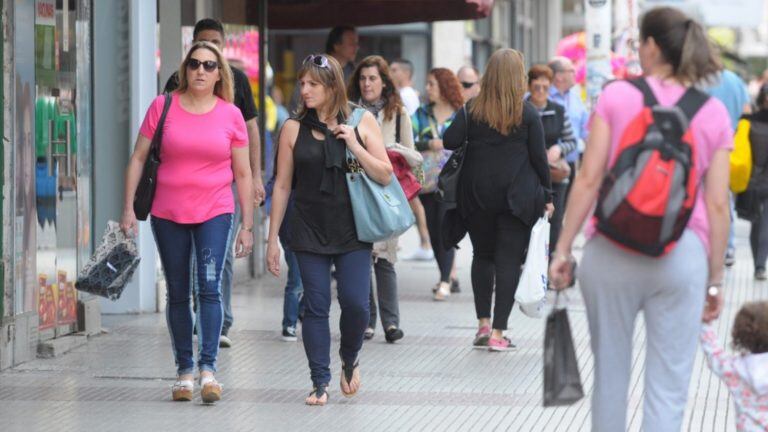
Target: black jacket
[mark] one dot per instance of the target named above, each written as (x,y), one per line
(502,172)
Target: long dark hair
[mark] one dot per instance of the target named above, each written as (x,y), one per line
(683,43)
(393,104)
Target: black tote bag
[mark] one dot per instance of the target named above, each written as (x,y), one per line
(145,191)
(448,180)
(562,381)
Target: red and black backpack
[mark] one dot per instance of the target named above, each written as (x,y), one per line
(647,197)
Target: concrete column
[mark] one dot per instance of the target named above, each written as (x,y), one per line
(448,43)
(139,295)
(171,47)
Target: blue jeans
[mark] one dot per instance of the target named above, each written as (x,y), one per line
(292,304)
(175,242)
(353,278)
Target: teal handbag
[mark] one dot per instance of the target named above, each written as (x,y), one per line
(380,212)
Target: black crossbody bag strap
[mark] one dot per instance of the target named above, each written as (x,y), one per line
(157,138)
(397,128)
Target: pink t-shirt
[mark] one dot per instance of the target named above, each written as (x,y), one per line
(195,175)
(621,102)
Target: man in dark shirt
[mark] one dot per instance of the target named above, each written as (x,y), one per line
(210,30)
(342,44)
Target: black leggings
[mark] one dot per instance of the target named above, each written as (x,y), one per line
(435,212)
(499,242)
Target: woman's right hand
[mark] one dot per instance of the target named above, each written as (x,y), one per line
(128,223)
(273,258)
(549,209)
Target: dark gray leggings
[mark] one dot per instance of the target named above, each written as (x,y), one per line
(758,237)
(386,290)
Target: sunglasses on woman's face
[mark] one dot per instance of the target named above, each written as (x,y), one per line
(208,65)
(317,60)
(467,85)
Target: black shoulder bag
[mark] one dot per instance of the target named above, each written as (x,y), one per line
(145,191)
(448,180)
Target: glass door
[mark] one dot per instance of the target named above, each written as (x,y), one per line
(56,163)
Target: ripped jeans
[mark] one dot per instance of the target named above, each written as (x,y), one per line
(174,242)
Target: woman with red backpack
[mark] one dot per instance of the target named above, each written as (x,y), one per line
(655,172)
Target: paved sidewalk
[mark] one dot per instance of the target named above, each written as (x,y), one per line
(431,380)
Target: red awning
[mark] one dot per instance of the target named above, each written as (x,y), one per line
(304,14)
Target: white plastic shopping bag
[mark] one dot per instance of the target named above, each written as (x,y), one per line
(532,288)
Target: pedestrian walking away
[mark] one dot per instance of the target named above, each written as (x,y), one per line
(755,127)
(205,144)
(210,30)
(673,275)
(311,157)
(558,138)
(429,124)
(746,373)
(731,90)
(372,87)
(504,187)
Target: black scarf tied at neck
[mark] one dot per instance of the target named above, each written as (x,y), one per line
(334,150)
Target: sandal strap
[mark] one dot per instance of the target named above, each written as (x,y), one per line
(185,384)
(319,391)
(349,371)
(206,380)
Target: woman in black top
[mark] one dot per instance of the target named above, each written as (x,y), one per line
(312,159)
(504,187)
(558,138)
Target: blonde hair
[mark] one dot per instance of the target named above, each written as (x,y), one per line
(500,102)
(224,88)
(332,79)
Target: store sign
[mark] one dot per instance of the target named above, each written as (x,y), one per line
(45,12)
(597,3)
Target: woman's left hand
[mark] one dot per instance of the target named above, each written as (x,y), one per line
(713,305)
(244,245)
(346,133)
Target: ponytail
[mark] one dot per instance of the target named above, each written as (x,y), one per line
(697,60)
(683,43)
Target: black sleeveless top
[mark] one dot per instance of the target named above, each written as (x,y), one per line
(321,223)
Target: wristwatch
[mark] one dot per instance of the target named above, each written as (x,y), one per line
(249,229)
(714,289)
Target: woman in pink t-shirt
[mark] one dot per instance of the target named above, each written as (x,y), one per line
(674,289)
(204,145)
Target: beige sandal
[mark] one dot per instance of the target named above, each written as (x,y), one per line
(210,389)
(182,390)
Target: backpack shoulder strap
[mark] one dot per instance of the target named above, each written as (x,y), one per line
(649,99)
(691,102)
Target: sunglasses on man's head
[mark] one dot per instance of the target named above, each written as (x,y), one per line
(317,60)
(208,65)
(467,85)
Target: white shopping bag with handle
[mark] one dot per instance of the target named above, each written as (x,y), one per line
(532,288)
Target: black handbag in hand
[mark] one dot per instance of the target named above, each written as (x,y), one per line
(145,191)
(562,381)
(448,180)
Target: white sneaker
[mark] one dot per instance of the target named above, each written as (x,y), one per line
(421,254)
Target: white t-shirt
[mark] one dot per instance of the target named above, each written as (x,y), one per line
(410,99)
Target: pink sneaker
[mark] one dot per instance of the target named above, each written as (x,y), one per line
(503,344)
(482,336)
